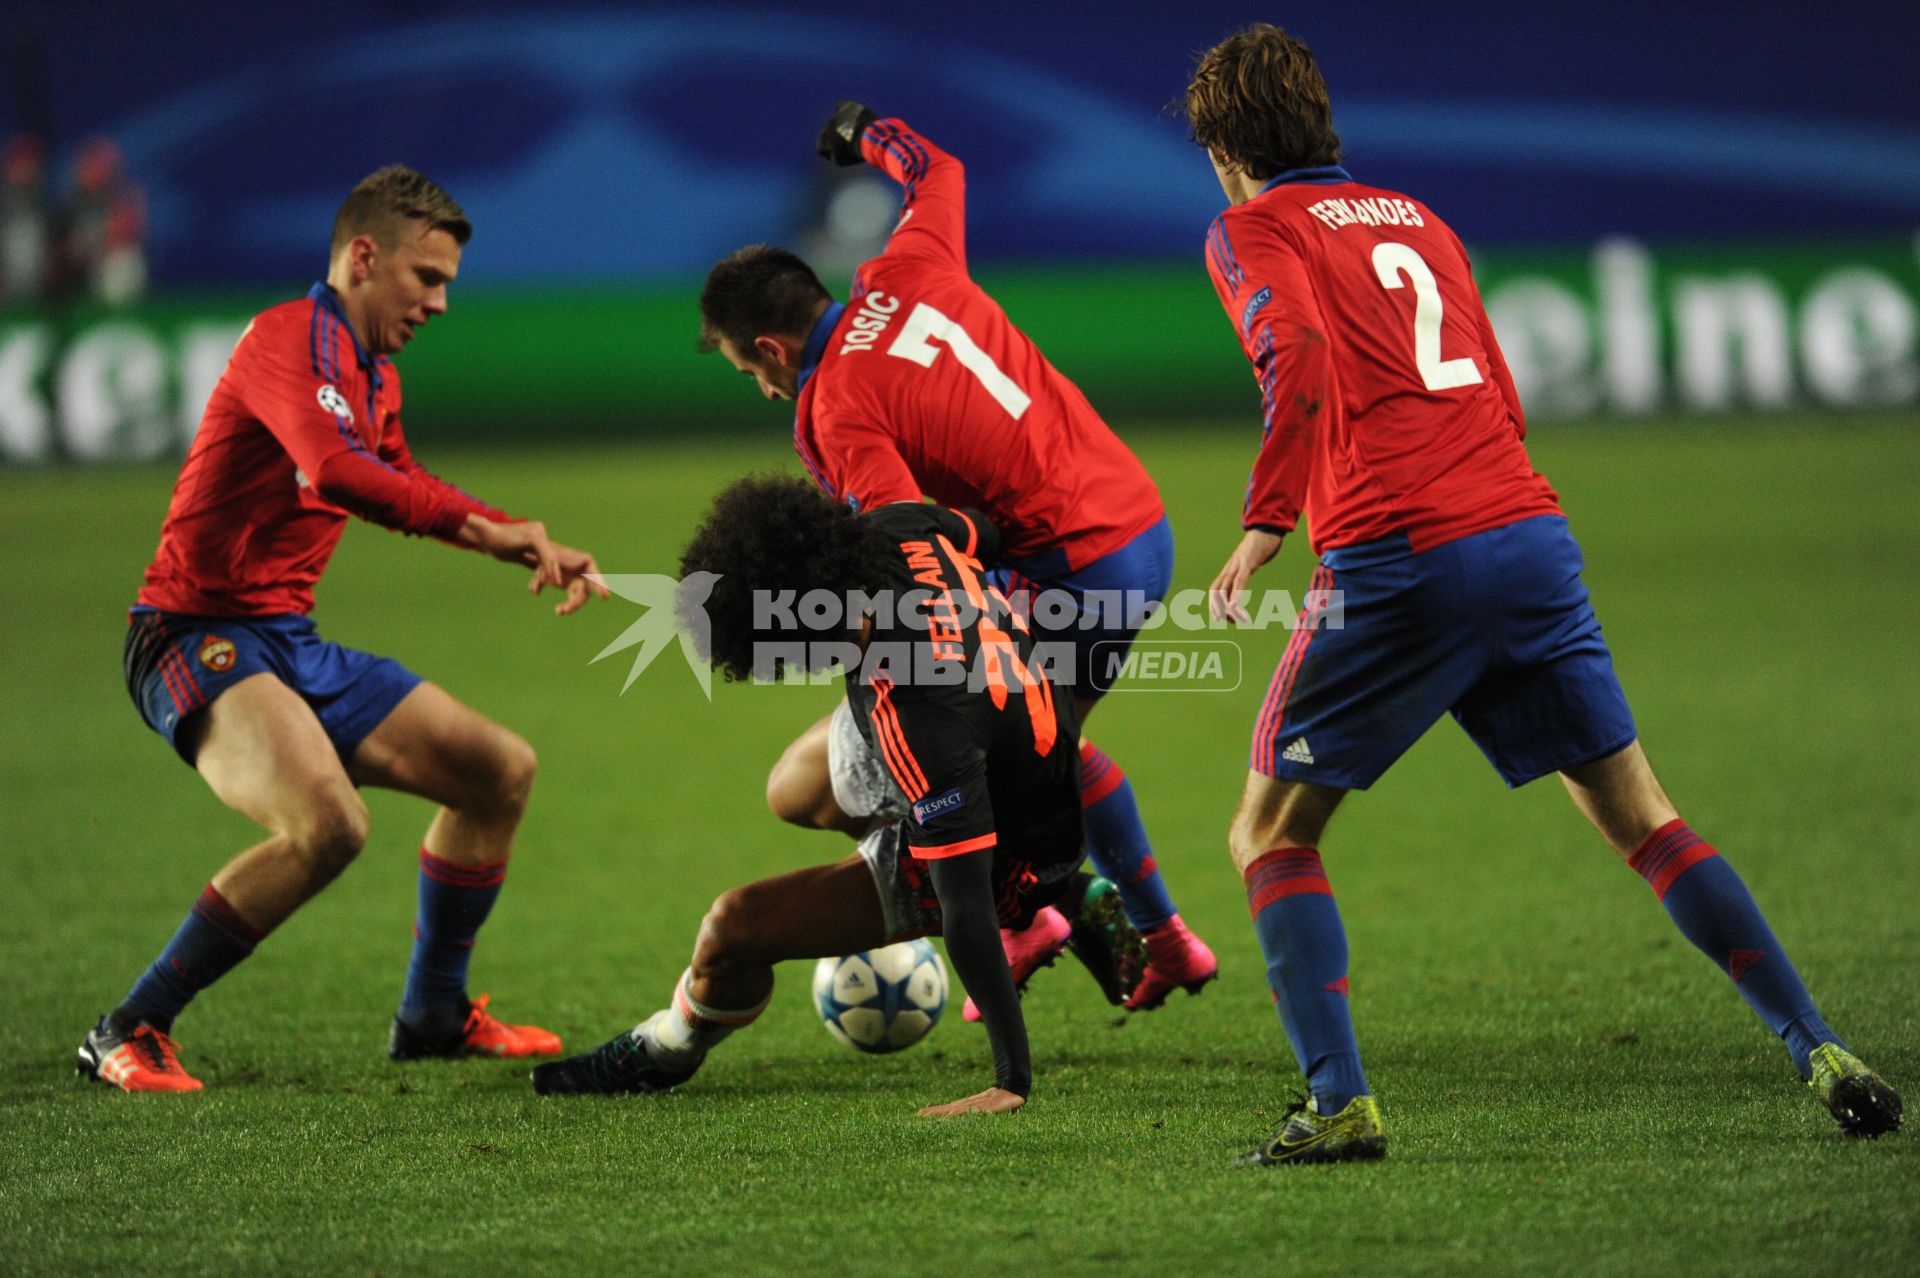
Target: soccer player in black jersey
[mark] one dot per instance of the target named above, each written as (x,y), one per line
(950,690)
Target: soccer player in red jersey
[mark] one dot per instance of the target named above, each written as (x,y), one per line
(302,431)
(1393,427)
(919,385)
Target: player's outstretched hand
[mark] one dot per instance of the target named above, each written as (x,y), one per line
(1227,597)
(840,140)
(578,572)
(994,1100)
(525,541)
(516,541)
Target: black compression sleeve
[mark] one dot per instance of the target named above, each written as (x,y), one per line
(989,542)
(964,885)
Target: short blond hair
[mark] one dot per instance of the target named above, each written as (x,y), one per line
(392,195)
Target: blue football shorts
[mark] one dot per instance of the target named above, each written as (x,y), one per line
(1495,628)
(176,665)
(1095,611)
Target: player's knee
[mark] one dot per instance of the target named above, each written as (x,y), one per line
(499,779)
(1253,834)
(1243,844)
(794,800)
(1248,836)
(330,831)
(727,933)
(781,799)
(514,770)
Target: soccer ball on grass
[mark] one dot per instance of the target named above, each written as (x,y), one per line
(881,1000)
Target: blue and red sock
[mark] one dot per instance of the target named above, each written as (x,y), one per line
(454,902)
(1305,945)
(212,940)
(1117,841)
(1714,910)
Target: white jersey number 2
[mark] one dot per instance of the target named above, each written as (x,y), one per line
(926,326)
(1390,262)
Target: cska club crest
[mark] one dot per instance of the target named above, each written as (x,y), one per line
(217,654)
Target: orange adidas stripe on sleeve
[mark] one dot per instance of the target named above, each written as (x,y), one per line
(953,849)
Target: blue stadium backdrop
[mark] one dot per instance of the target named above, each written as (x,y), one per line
(1701,207)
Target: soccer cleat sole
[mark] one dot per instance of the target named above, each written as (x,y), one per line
(407,1044)
(1192,988)
(1020,986)
(555,1078)
(970,1011)
(451,1040)
(621,1066)
(1865,1106)
(1363,1150)
(1116,968)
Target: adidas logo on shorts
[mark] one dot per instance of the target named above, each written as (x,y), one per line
(1298,752)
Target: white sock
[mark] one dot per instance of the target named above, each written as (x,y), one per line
(681,1034)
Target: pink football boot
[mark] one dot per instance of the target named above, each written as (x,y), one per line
(1031,950)
(1176,959)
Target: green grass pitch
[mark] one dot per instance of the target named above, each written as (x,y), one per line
(1569,1087)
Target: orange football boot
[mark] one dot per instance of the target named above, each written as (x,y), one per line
(135,1058)
(480,1034)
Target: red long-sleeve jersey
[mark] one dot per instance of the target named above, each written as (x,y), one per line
(925,387)
(302,431)
(1388,407)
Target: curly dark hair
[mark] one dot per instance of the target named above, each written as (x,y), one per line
(1258,103)
(758,290)
(777,533)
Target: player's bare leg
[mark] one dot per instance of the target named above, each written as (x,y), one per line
(1274,840)
(1621,797)
(800,787)
(812,913)
(481,775)
(1711,906)
(1276,813)
(818,912)
(265,755)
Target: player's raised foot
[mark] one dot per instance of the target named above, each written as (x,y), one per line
(1859,1099)
(1105,942)
(1176,960)
(1029,951)
(1308,1136)
(619,1066)
(473,1032)
(134,1057)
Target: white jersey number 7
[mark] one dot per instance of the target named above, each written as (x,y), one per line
(1390,262)
(926,326)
